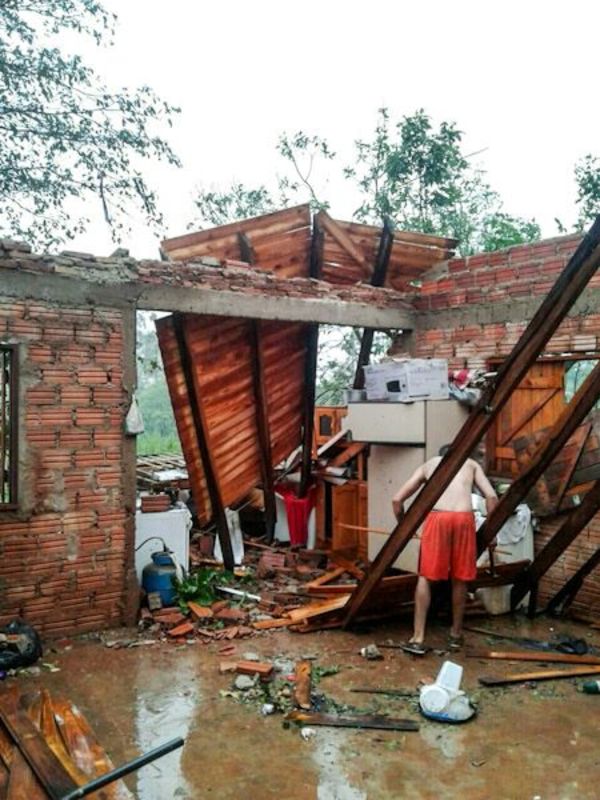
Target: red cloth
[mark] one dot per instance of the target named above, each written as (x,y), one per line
(297,510)
(449,546)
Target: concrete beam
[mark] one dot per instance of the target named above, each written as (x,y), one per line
(78,290)
(515,310)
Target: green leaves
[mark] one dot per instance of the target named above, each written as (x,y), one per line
(587,177)
(65,135)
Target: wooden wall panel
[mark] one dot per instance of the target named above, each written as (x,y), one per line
(220,350)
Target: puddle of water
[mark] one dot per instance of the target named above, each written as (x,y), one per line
(333,783)
(161,716)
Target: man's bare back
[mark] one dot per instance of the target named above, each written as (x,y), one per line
(457,496)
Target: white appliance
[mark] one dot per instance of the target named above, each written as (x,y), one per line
(173,526)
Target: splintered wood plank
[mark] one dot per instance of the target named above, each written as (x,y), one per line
(327,577)
(541,675)
(528,655)
(366,721)
(48,769)
(87,754)
(302,688)
(314,610)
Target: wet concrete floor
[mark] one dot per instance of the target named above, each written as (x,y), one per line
(526,742)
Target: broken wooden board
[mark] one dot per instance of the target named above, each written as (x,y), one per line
(530,655)
(67,740)
(540,675)
(28,738)
(364,721)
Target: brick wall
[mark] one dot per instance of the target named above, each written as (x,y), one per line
(63,555)
(468,317)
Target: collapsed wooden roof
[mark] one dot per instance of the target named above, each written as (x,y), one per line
(281,243)
(241,390)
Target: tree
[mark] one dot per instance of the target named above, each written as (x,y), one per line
(587,178)
(412,172)
(65,135)
(419,177)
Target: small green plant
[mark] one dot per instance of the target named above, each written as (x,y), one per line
(200,587)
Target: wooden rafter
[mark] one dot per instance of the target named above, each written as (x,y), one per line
(386,242)
(582,265)
(582,434)
(329,225)
(567,594)
(310,371)
(262,424)
(202,437)
(261,403)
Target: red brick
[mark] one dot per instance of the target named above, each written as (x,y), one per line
(90,416)
(92,375)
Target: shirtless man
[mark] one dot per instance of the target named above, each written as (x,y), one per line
(448,543)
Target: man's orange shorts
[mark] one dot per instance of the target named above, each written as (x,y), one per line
(449,546)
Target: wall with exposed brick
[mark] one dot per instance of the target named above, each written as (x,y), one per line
(475,309)
(64,555)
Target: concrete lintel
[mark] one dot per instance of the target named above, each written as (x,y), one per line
(67,290)
(514,310)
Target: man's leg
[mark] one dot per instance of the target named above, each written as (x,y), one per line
(422,601)
(459,598)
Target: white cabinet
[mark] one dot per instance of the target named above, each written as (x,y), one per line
(403,436)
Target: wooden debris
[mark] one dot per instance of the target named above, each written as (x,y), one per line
(370,721)
(267,624)
(391,692)
(227,666)
(302,689)
(541,675)
(530,655)
(47,768)
(254,668)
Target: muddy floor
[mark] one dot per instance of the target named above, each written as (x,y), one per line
(526,742)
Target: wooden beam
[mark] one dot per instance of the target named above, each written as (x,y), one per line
(565,596)
(46,766)
(344,240)
(246,249)
(310,366)
(584,434)
(261,403)
(529,655)
(262,423)
(386,243)
(202,437)
(541,675)
(560,299)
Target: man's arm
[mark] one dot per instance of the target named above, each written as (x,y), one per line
(417,479)
(486,489)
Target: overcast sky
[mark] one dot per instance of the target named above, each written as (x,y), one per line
(519,78)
